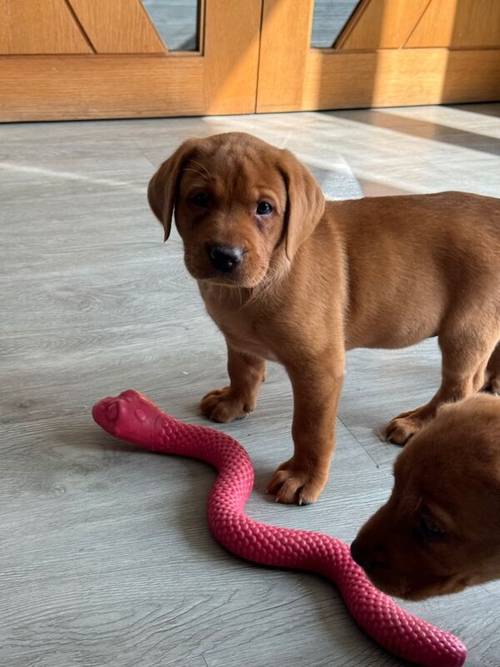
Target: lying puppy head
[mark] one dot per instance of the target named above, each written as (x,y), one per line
(440,529)
(239,202)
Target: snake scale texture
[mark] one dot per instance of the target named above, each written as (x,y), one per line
(134,418)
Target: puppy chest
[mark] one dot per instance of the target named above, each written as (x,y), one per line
(247,336)
(251,342)
(254,347)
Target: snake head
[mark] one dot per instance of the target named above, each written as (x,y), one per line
(129,416)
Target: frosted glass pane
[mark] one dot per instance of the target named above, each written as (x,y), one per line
(330,16)
(176,21)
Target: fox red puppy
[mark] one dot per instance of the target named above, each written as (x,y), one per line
(292,278)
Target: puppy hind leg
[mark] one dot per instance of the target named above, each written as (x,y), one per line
(464,361)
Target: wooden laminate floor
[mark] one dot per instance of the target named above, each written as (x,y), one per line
(105,557)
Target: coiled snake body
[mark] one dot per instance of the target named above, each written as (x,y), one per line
(134,418)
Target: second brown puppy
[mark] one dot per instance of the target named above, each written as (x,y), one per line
(291,278)
(439,532)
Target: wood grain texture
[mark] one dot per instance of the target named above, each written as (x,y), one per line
(223,80)
(106,560)
(28,27)
(284,48)
(118,26)
(81,87)
(460,24)
(231,49)
(390,78)
(337,78)
(381,24)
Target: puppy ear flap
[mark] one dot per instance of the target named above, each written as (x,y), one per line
(305,202)
(162,188)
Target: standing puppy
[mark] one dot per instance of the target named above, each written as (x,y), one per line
(291,278)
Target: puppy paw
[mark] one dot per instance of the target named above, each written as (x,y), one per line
(292,483)
(400,429)
(222,405)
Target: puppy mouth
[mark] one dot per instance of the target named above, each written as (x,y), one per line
(440,586)
(239,277)
(212,277)
(390,584)
(404,589)
(230,282)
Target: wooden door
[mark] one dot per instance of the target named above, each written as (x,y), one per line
(72,59)
(389,52)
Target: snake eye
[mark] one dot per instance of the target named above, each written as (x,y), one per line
(264,208)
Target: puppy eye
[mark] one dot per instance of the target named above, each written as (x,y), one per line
(429,529)
(264,208)
(200,199)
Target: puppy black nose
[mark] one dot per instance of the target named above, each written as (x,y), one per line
(358,555)
(224,257)
(371,558)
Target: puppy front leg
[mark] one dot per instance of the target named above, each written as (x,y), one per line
(246,374)
(316,390)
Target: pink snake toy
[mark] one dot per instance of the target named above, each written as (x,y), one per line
(134,418)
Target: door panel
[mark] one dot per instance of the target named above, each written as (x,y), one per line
(459,24)
(28,27)
(221,78)
(374,61)
(284,53)
(375,25)
(117,27)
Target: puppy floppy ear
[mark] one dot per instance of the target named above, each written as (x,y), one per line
(305,202)
(162,188)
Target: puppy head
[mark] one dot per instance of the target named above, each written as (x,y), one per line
(440,529)
(240,204)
